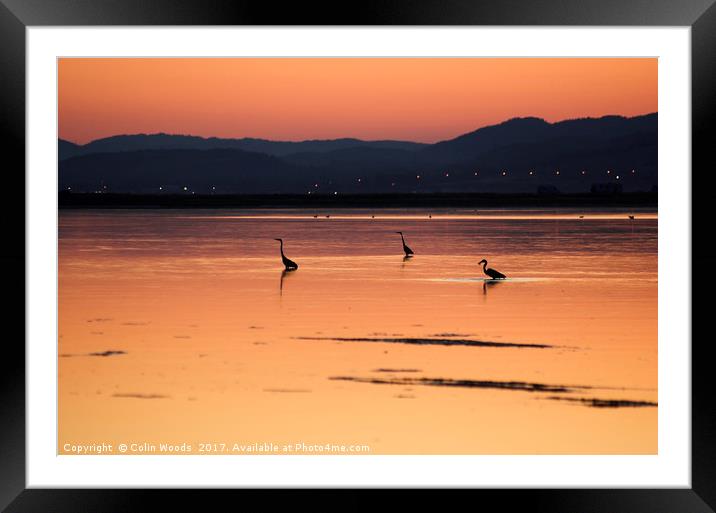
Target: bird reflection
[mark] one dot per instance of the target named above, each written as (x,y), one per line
(486,284)
(284,273)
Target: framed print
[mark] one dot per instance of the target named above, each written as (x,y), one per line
(445,246)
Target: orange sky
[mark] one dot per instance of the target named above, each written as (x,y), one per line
(416,99)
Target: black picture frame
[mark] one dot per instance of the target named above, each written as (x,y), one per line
(17,15)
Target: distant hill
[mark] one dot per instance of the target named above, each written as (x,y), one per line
(518,155)
(357,159)
(520,131)
(171,171)
(581,150)
(137,142)
(66,149)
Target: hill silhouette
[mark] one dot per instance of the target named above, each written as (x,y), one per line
(520,155)
(119,143)
(587,131)
(180,171)
(66,149)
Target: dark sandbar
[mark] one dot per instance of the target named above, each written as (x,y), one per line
(605,403)
(522,386)
(431,342)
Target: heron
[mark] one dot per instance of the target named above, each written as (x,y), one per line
(290,265)
(495,275)
(408,252)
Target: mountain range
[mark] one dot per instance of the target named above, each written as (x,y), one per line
(518,155)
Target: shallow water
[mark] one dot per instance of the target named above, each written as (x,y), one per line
(181,327)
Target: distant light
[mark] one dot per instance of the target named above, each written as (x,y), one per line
(531,173)
(475,173)
(69,188)
(315,185)
(417,177)
(556,172)
(392,184)
(609,171)
(617,177)
(213,188)
(192,192)
(359,179)
(504,173)
(633,171)
(309,192)
(185,188)
(447,174)
(334,193)
(584,172)
(160,188)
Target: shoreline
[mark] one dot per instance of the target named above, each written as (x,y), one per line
(67,200)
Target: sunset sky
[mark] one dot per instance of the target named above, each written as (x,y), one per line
(417,99)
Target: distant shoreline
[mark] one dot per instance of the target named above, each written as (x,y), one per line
(67,200)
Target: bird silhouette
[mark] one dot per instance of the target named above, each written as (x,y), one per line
(290,265)
(495,275)
(408,252)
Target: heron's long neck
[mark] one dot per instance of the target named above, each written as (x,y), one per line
(484,265)
(402,238)
(281,248)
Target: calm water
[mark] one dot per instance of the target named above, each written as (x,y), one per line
(215,344)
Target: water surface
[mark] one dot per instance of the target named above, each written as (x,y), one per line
(181,326)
